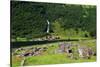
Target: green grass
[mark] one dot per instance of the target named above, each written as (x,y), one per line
(55,59)
(16,61)
(49,56)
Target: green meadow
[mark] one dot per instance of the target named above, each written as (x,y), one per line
(50,57)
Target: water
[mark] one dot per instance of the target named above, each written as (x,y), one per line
(48,26)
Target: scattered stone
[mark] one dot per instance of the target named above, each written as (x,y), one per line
(85,52)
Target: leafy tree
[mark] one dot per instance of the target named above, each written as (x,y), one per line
(28,19)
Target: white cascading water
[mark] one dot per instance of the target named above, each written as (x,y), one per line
(48,26)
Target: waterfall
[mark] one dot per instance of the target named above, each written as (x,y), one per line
(48,26)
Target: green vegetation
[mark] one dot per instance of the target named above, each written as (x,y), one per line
(49,57)
(67,21)
(55,59)
(16,61)
(29,20)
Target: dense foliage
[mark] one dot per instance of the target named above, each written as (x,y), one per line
(29,19)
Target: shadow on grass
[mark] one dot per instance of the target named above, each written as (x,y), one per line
(29,43)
